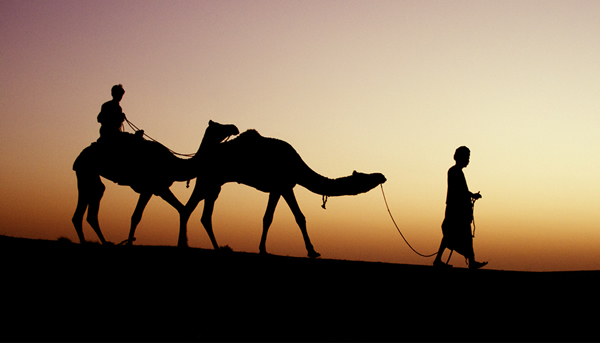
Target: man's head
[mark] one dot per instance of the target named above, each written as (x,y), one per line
(117,92)
(462,155)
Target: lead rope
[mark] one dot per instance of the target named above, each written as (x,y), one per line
(135,128)
(397,228)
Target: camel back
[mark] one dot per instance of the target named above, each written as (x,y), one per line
(126,161)
(268,162)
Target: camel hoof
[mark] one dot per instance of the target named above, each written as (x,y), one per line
(313,254)
(225,249)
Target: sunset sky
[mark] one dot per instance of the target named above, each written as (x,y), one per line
(374,86)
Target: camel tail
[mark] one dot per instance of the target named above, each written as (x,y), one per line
(354,184)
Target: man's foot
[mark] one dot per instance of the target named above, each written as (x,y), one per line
(476,265)
(441,265)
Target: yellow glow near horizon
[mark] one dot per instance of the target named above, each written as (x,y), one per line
(373,86)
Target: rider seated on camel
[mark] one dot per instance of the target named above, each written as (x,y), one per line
(111,117)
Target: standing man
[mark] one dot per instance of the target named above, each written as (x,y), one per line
(456,227)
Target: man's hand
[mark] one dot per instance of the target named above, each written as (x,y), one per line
(476,195)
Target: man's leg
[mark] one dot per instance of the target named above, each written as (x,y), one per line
(438,259)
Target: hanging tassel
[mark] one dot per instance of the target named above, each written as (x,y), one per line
(324,201)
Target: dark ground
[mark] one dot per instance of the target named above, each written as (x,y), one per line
(60,291)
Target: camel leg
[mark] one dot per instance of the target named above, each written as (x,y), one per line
(184,216)
(94,207)
(137,215)
(88,186)
(77,220)
(170,198)
(186,212)
(206,220)
(90,191)
(290,198)
(267,220)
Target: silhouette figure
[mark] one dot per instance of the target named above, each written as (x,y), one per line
(271,166)
(111,116)
(456,227)
(148,167)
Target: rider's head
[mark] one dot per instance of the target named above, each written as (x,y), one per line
(117,92)
(462,155)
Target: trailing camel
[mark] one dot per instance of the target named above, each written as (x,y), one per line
(148,167)
(269,165)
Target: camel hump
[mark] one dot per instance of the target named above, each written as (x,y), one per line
(250,134)
(251,138)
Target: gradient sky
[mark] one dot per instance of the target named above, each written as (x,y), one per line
(375,86)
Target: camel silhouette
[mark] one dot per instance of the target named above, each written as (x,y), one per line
(269,165)
(148,167)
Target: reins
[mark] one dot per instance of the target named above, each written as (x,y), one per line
(135,128)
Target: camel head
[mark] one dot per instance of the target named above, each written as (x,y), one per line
(216,133)
(355,184)
(365,182)
(374,178)
(220,132)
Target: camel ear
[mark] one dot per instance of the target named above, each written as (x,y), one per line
(354,173)
(210,122)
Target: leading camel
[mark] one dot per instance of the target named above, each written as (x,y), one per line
(271,166)
(147,167)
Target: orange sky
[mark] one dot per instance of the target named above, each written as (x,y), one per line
(374,86)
